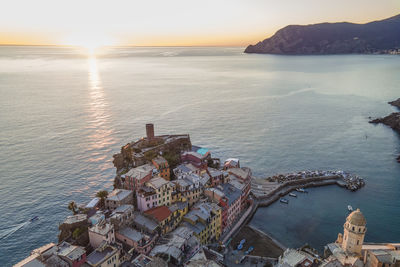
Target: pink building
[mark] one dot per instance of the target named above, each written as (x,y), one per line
(135,178)
(147,198)
(228,198)
(241,179)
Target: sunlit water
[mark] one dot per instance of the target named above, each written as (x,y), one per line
(63,114)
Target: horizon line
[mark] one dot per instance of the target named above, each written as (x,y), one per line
(78,46)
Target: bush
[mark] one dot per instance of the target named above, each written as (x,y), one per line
(77,232)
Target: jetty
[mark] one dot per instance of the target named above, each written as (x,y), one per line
(270,189)
(266,191)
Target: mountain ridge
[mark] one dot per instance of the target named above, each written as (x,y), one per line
(381,36)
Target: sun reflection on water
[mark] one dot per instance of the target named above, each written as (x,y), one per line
(100,130)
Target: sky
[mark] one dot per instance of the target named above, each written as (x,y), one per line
(95,23)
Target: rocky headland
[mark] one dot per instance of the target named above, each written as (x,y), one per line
(381,37)
(392,120)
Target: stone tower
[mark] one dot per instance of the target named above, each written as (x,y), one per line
(354,232)
(150,131)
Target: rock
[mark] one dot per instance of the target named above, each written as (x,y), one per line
(333,38)
(395,103)
(392,120)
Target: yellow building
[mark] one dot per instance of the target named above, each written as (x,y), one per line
(205,222)
(163,190)
(178,210)
(190,188)
(163,216)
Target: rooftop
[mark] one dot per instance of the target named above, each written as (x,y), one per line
(146,191)
(194,154)
(101,228)
(214,172)
(131,234)
(101,254)
(356,218)
(159,213)
(70,251)
(160,160)
(183,168)
(232,162)
(93,203)
(141,171)
(141,261)
(123,209)
(157,182)
(176,240)
(119,194)
(197,228)
(230,192)
(202,151)
(236,182)
(75,218)
(145,222)
(242,173)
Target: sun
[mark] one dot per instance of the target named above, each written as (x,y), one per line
(90,41)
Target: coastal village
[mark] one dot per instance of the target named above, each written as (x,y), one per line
(173,204)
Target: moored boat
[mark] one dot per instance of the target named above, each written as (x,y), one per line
(292,195)
(350,208)
(284,200)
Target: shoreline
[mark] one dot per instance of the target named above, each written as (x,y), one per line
(278,243)
(279,191)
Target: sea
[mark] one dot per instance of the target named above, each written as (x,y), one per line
(65,111)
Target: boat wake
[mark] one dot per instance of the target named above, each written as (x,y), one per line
(4,233)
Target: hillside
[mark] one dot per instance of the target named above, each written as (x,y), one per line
(333,38)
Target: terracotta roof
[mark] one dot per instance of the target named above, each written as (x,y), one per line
(159,213)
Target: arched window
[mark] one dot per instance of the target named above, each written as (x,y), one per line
(358,242)
(353,228)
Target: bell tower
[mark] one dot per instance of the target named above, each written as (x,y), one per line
(354,233)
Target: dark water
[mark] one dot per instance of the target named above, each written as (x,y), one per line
(63,114)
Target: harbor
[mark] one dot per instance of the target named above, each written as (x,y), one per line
(280,187)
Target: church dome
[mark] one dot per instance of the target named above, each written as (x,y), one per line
(356,218)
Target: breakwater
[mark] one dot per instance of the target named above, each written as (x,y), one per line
(266,191)
(285,188)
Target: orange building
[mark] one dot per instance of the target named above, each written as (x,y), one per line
(162,166)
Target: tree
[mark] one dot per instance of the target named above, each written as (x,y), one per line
(72,207)
(103,194)
(76,233)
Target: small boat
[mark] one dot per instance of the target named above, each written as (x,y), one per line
(240,246)
(242,241)
(284,200)
(249,250)
(292,195)
(301,190)
(350,208)
(34,218)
